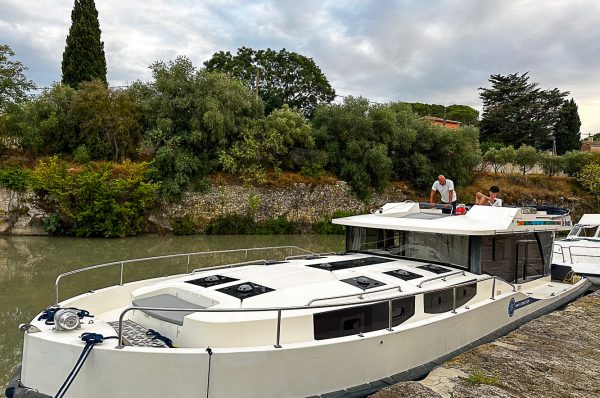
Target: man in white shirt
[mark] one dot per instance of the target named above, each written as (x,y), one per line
(446,189)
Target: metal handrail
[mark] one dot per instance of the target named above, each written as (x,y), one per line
(562,252)
(310,254)
(232,265)
(188,255)
(293,308)
(359,295)
(442,277)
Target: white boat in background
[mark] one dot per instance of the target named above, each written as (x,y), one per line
(412,289)
(580,250)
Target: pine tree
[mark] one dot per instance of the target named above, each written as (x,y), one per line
(567,132)
(83,58)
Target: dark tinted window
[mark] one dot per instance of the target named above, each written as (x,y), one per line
(442,301)
(366,318)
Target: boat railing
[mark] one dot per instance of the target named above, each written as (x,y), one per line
(442,277)
(279,310)
(570,253)
(189,256)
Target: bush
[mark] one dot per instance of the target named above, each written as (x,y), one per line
(82,155)
(15,178)
(527,157)
(325,227)
(575,161)
(589,178)
(101,199)
(551,164)
(233,224)
(183,226)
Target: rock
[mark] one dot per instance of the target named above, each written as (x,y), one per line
(554,356)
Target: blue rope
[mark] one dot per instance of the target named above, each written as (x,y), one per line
(90,339)
(157,336)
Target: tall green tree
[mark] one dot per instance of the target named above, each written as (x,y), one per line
(13,83)
(517,112)
(83,58)
(568,135)
(279,77)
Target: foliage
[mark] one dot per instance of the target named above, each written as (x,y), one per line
(279,77)
(295,133)
(485,146)
(183,226)
(190,116)
(499,158)
(325,227)
(461,113)
(103,199)
(575,161)
(567,132)
(517,112)
(479,377)
(13,83)
(551,164)
(83,58)
(526,158)
(109,120)
(258,150)
(589,178)
(234,224)
(82,155)
(15,178)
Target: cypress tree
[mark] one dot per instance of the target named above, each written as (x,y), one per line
(567,133)
(83,58)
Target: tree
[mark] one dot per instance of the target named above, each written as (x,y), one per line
(83,58)
(516,112)
(190,116)
(567,133)
(13,83)
(279,77)
(551,164)
(499,158)
(527,157)
(109,121)
(589,178)
(461,113)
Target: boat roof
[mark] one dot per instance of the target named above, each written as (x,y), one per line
(589,219)
(479,220)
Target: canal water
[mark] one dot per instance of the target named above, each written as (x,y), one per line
(29,267)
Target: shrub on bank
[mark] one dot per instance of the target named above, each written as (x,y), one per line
(101,199)
(234,224)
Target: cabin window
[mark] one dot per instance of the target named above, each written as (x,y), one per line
(588,232)
(517,257)
(366,318)
(442,301)
(430,247)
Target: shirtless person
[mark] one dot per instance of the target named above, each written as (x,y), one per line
(492,200)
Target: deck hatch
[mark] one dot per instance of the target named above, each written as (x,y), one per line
(211,280)
(403,274)
(346,264)
(363,282)
(436,269)
(245,290)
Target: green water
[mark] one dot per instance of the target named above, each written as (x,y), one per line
(29,266)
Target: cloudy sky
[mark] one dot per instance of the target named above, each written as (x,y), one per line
(435,51)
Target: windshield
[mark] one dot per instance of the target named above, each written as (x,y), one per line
(440,248)
(583,231)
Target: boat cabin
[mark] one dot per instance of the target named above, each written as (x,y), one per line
(588,228)
(514,244)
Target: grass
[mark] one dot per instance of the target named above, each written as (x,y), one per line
(479,377)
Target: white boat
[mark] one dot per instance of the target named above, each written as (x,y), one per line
(580,250)
(413,288)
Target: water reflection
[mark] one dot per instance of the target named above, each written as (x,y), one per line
(29,266)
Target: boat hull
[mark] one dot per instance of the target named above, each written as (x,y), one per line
(368,362)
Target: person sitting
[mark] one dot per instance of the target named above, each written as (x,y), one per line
(492,200)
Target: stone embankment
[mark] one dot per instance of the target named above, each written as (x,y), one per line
(554,356)
(299,202)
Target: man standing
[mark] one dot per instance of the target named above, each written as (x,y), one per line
(446,189)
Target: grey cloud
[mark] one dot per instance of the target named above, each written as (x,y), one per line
(429,50)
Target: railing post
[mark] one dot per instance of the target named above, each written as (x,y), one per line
(188,264)
(390,316)
(454,300)
(121,282)
(246,254)
(494,289)
(277,345)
